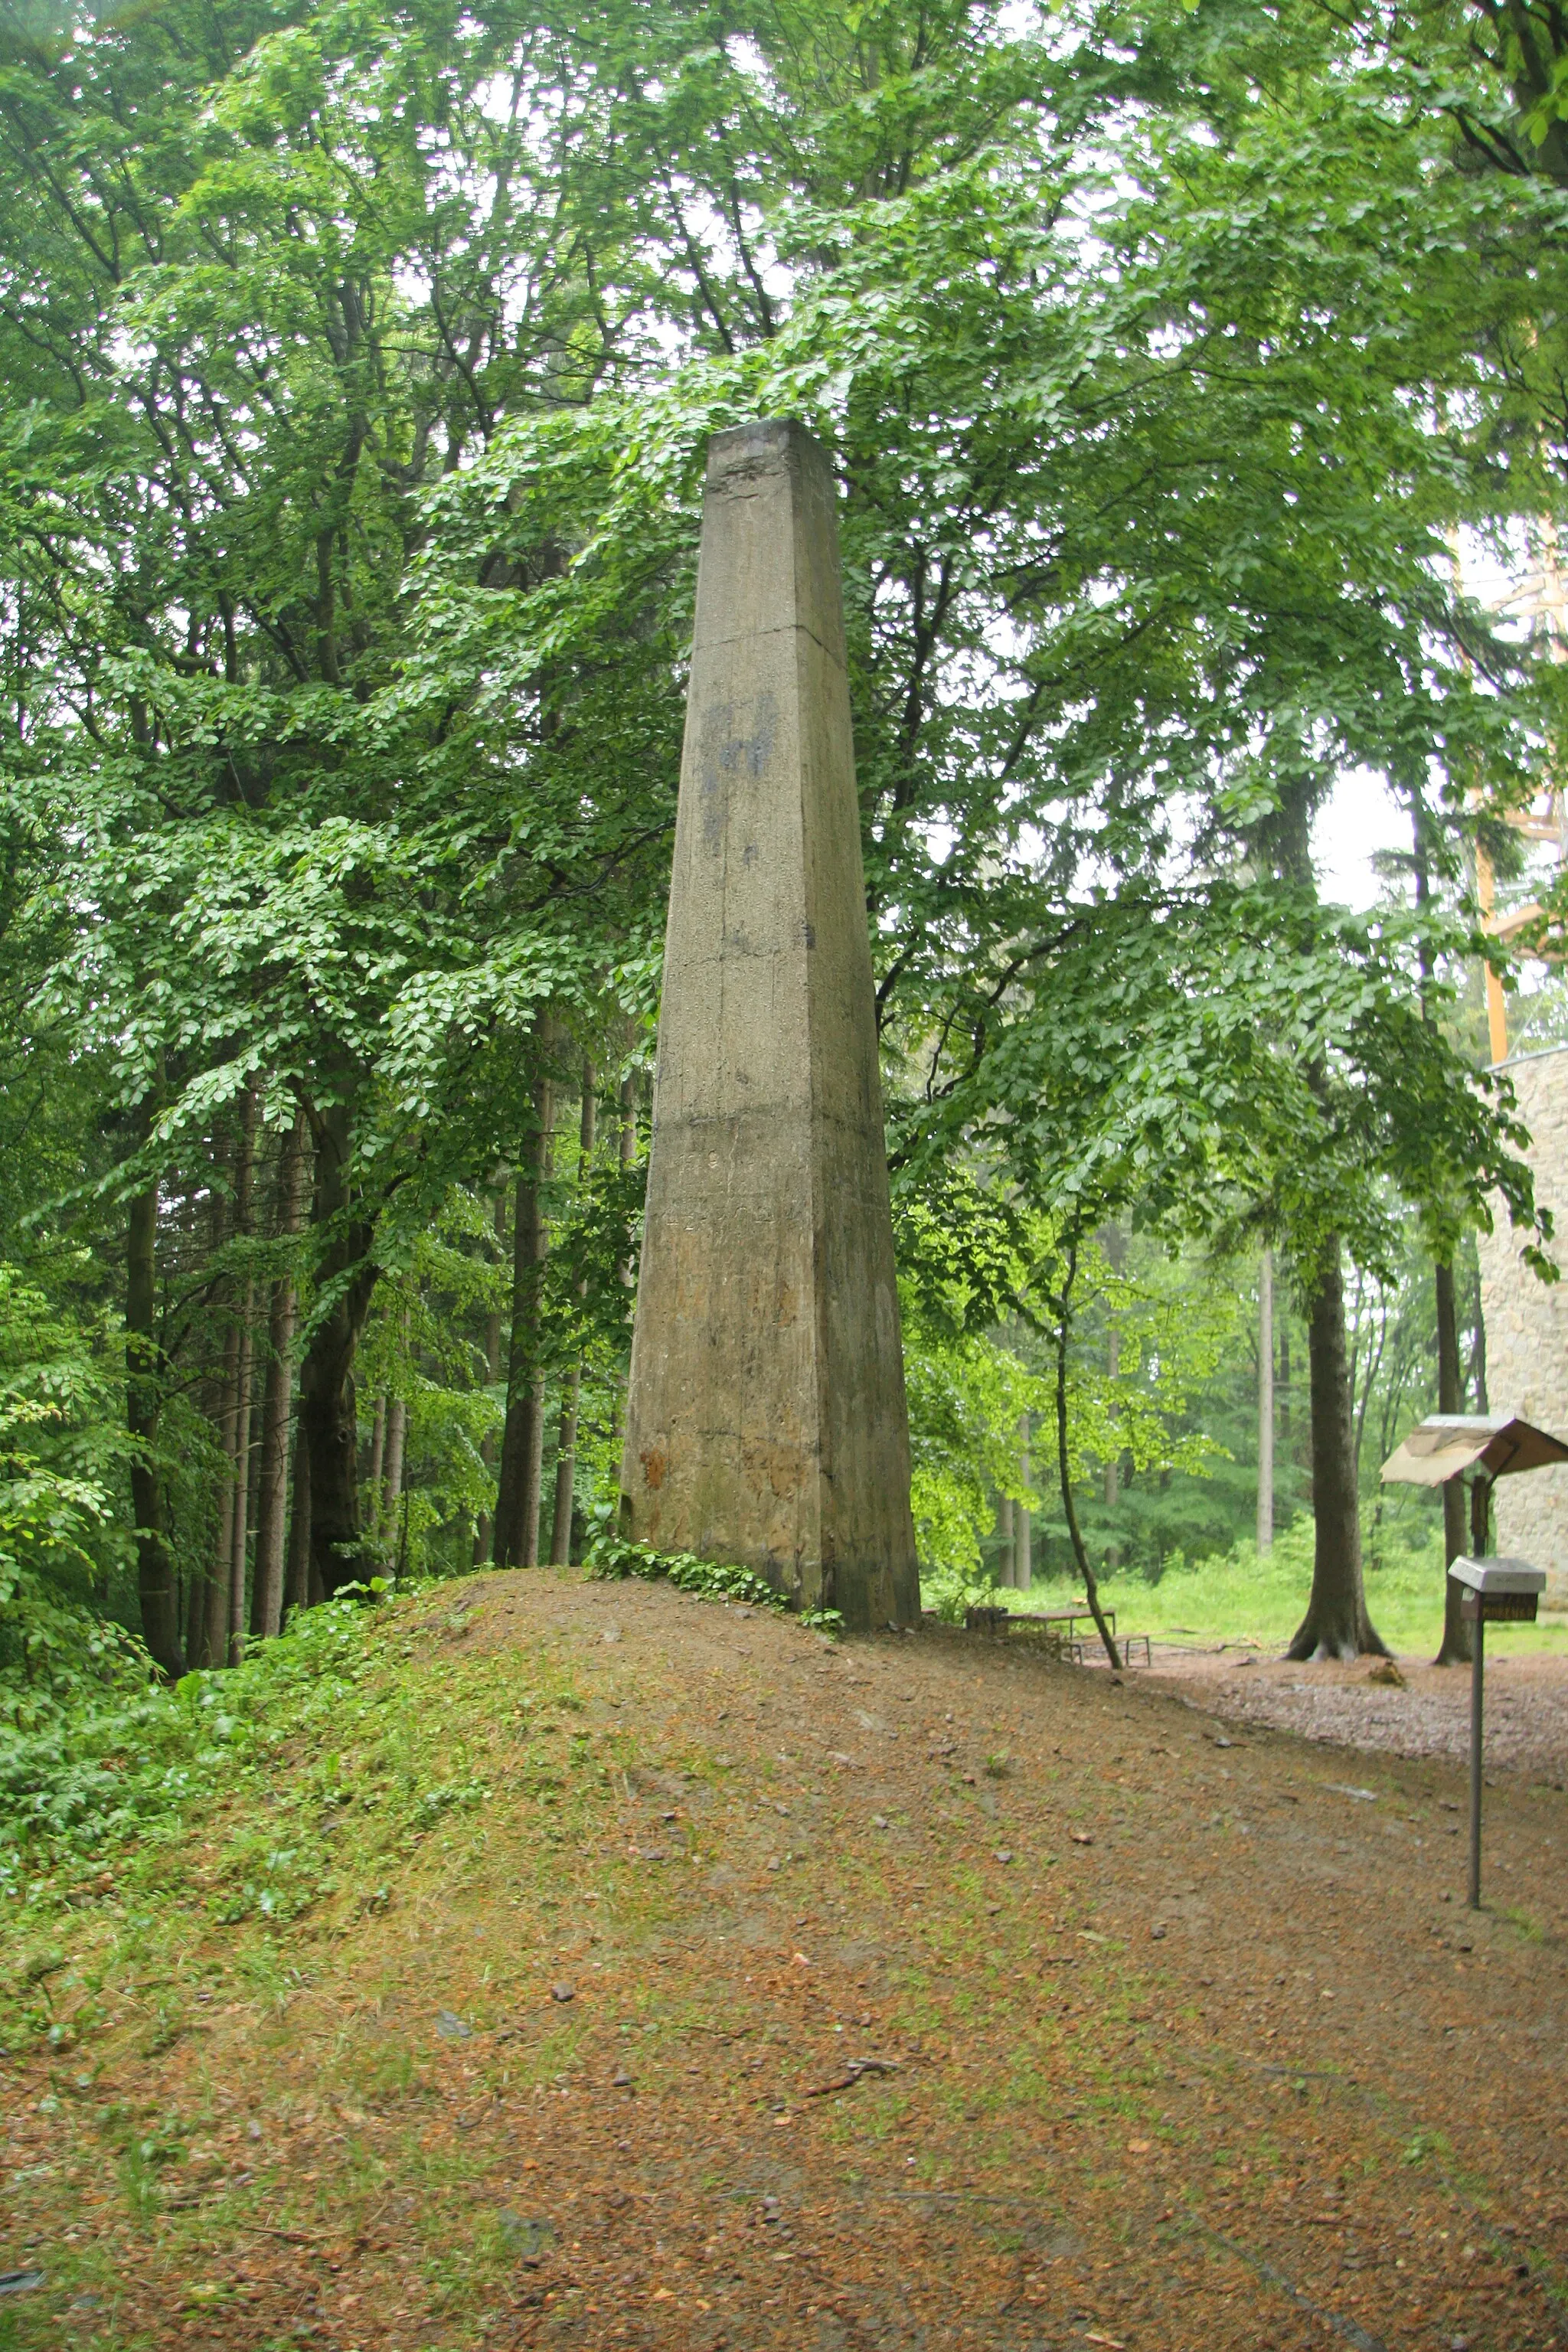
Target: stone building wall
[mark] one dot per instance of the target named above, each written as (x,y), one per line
(1527,1329)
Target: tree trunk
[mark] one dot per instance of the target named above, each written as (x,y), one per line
(1004,1529)
(1023,1520)
(1266,1401)
(210,1646)
(271,1505)
(297,1591)
(392,1475)
(238,1542)
(329,1418)
(1064,1464)
(377,1458)
(1480,1515)
(1455,1647)
(233,1645)
(1113,1242)
(143,1409)
(523,1438)
(1336,1624)
(627,1152)
(1477,1380)
(484,1533)
(1282,1393)
(566,1443)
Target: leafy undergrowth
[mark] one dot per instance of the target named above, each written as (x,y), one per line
(612,1555)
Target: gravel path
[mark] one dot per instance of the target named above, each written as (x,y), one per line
(1526,1704)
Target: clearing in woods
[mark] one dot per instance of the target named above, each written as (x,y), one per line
(673,1978)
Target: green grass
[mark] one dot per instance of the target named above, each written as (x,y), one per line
(1240,1597)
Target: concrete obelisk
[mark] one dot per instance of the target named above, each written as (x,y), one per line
(766,1422)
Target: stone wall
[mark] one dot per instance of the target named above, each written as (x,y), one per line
(1527,1329)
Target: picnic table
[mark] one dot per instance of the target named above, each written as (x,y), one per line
(1080,1612)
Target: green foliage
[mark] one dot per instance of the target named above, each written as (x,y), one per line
(111,1767)
(62,1455)
(612,1555)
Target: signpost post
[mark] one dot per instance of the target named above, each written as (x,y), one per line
(1493,1592)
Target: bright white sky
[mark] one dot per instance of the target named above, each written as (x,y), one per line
(1359,818)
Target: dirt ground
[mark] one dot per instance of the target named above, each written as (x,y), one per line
(910,1992)
(1428,1713)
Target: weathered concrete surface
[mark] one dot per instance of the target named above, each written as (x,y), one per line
(767,1420)
(1527,1329)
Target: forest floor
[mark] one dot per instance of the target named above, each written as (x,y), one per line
(676,1979)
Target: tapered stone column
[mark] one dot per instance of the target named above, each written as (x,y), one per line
(766,1422)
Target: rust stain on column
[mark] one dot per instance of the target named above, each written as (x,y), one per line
(767,1379)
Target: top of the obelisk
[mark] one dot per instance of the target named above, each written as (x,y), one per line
(763,446)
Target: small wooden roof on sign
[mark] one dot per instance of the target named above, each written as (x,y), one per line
(1446,1444)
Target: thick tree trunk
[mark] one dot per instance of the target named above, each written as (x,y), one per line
(523,1438)
(1266,1401)
(329,1419)
(143,1409)
(566,1441)
(484,1533)
(1455,1648)
(272,1502)
(1336,1624)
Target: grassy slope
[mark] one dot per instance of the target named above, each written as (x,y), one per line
(285,2066)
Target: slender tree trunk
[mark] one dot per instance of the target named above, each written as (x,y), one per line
(392,1475)
(1113,1467)
(1336,1624)
(328,1415)
(566,1443)
(297,1590)
(238,1545)
(1266,1401)
(484,1533)
(275,1405)
(213,1644)
(1004,1529)
(233,1642)
(1064,1464)
(1023,1520)
(1455,1647)
(1282,1391)
(1477,1380)
(523,1438)
(378,1459)
(144,1410)
(1113,1242)
(627,1152)
(1480,1515)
